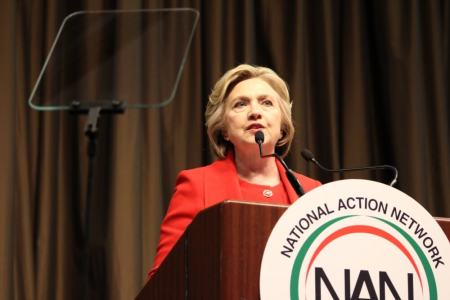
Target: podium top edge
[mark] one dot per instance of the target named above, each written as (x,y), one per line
(253,203)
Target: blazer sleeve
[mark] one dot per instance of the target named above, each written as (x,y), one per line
(187,201)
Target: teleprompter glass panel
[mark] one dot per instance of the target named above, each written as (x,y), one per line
(134,57)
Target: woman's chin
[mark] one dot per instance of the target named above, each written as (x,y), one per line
(250,146)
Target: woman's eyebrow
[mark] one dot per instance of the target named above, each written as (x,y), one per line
(240,97)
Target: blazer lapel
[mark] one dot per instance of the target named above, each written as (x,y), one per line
(292,195)
(221,181)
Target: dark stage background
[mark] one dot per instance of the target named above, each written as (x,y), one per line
(370,85)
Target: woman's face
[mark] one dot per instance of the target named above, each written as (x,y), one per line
(251,106)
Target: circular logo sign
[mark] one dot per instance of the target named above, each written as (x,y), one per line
(356,239)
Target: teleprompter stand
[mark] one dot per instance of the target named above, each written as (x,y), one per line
(112,54)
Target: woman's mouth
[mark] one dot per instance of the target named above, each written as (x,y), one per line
(254,127)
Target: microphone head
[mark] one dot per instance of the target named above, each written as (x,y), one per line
(307,155)
(259,137)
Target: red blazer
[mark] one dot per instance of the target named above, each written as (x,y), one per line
(200,188)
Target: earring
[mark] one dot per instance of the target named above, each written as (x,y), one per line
(225,137)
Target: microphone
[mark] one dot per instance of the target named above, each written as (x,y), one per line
(259,139)
(309,156)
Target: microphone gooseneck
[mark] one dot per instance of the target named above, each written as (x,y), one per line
(259,139)
(309,156)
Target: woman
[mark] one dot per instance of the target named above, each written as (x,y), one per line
(245,100)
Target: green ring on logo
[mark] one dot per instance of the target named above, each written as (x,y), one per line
(295,274)
(423,259)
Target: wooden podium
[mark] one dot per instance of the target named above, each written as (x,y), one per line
(219,255)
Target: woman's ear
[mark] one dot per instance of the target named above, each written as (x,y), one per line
(225,135)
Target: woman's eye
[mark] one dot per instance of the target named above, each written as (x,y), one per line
(239,104)
(267,102)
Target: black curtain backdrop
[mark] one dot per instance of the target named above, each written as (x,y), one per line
(370,85)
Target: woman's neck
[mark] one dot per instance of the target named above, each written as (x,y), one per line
(254,169)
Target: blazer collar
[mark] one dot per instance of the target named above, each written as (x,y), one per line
(222,181)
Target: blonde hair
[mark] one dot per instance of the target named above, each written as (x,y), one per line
(214,113)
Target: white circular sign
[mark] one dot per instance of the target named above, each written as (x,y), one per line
(356,239)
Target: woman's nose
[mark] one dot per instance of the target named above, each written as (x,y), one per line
(255,111)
